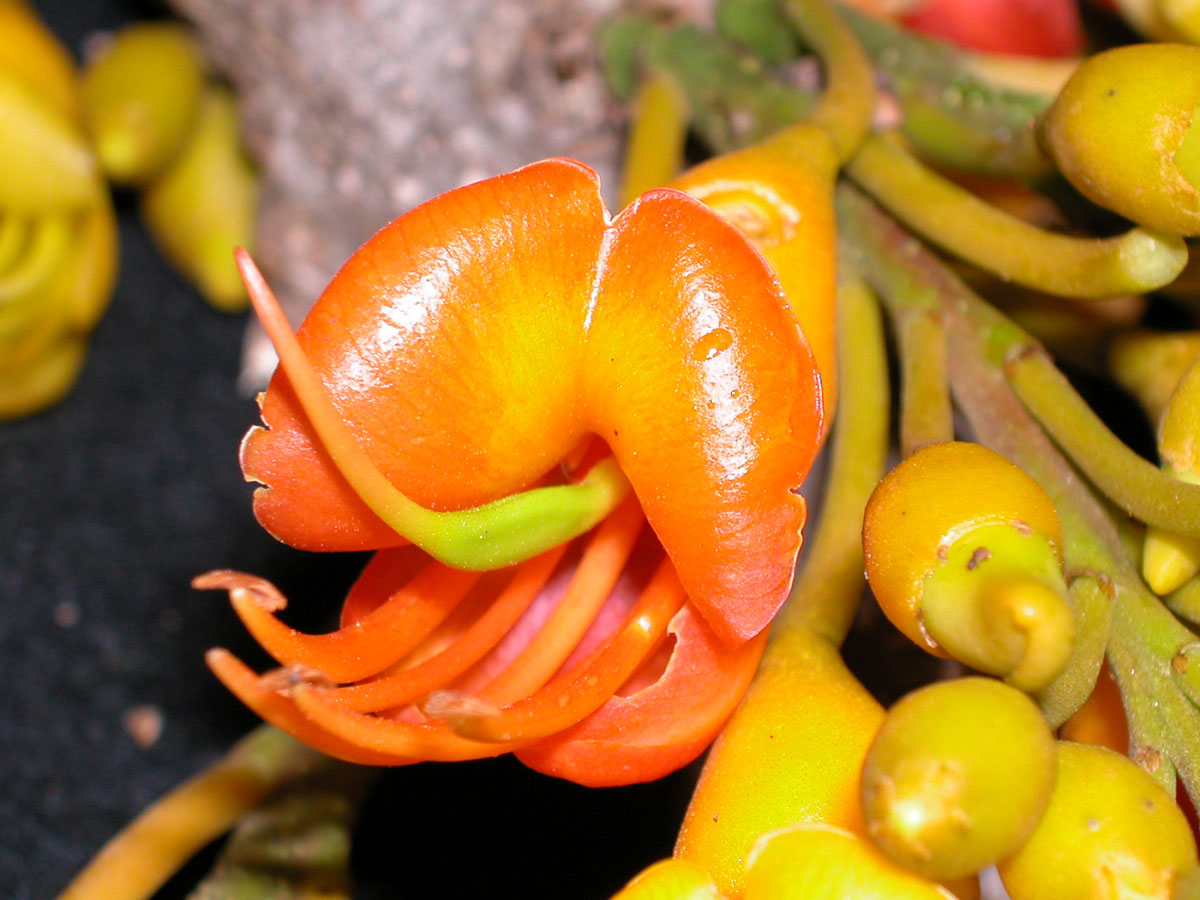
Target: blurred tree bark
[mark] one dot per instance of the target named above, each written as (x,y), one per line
(357,110)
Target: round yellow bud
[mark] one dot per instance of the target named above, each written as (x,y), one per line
(1124,133)
(958,776)
(1110,831)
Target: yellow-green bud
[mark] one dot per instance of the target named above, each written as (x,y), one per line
(1110,831)
(1124,132)
(958,776)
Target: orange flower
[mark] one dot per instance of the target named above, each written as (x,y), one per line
(504,337)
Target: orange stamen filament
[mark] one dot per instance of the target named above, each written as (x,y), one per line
(575,694)
(278,709)
(591,584)
(369,646)
(397,510)
(402,741)
(470,647)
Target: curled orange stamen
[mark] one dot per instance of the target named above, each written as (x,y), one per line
(362,649)
(582,689)
(470,646)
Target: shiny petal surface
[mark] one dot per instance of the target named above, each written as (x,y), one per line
(476,341)
(450,343)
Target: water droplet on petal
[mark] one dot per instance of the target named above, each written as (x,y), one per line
(711,344)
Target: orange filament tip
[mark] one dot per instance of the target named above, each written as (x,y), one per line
(244,588)
(453,705)
(285,678)
(583,689)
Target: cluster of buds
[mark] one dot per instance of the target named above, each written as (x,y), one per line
(575,442)
(58,238)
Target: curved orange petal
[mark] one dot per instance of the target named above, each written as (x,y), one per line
(663,726)
(701,381)
(475,342)
(450,343)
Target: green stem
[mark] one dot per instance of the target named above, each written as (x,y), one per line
(925,414)
(296,844)
(830,585)
(847,104)
(896,264)
(1139,487)
(733,101)
(954,110)
(1143,637)
(958,221)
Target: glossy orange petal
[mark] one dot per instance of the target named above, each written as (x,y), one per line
(475,342)
(700,379)
(450,343)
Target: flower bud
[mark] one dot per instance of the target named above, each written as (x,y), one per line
(204,204)
(818,862)
(671,879)
(961,551)
(1124,133)
(141,93)
(958,776)
(1110,831)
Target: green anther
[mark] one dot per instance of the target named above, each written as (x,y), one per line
(998,603)
(963,224)
(523,525)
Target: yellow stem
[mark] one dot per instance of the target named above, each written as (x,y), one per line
(148,851)
(1139,487)
(847,105)
(958,221)
(827,592)
(654,151)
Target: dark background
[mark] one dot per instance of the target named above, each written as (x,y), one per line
(112,501)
